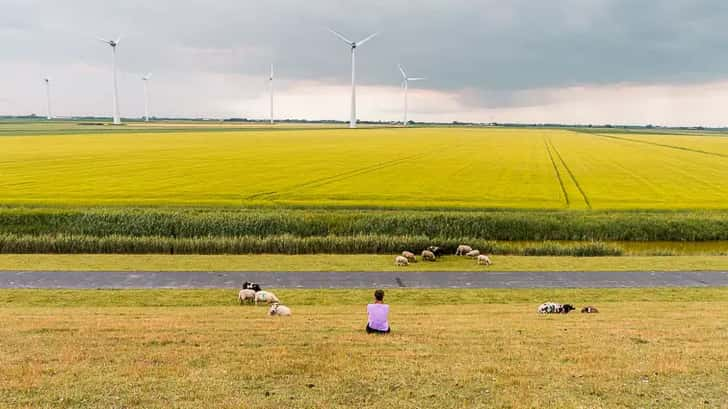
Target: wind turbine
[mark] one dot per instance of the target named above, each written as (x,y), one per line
(270,81)
(113,44)
(47,81)
(353,45)
(405,85)
(146,79)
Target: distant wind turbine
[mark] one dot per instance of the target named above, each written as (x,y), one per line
(353,45)
(146,79)
(405,85)
(47,81)
(270,81)
(113,44)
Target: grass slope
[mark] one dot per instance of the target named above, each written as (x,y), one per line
(449,349)
(326,262)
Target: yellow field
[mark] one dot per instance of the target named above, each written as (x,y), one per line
(425,167)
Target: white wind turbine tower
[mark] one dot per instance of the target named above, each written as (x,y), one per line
(146,79)
(405,85)
(47,81)
(113,44)
(270,82)
(353,45)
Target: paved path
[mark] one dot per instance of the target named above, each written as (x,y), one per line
(44,279)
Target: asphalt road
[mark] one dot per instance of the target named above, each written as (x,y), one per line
(79,280)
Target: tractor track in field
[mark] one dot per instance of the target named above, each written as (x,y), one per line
(662,145)
(571,174)
(558,174)
(341,176)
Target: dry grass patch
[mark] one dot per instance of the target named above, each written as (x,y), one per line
(665,352)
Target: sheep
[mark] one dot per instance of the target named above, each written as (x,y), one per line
(427,255)
(251,286)
(265,297)
(463,250)
(437,251)
(589,310)
(409,256)
(278,309)
(484,260)
(401,261)
(554,308)
(473,253)
(246,296)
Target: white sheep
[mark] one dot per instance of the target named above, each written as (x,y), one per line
(278,309)
(409,256)
(246,296)
(473,253)
(463,250)
(427,255)
(401,261)
(483,259)
(265,297)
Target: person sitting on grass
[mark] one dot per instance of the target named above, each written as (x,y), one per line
(378,312)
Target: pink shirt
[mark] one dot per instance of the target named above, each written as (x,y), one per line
(378,316)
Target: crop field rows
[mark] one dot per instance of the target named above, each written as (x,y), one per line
(449,168)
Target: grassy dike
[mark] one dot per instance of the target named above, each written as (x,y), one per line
(328,262)
(449,349)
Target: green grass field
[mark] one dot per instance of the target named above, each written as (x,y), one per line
(358,262)
(657,348)
(453,168)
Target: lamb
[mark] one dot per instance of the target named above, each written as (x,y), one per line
(265,297)
(484,260)
(427,255)
(409,256)
(278,309)
(246,296)
(401,261)
(463,250)
(473,253)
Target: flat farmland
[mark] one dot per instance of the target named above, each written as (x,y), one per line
(455,168)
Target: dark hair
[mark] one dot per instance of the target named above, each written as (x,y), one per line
(379,295)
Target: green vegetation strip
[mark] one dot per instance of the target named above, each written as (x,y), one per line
(328,262)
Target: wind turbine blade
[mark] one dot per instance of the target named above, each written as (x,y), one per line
(416,79)
(118,40)
(366,39)
(401,69)
(103,40)
(147,77)
(341,36)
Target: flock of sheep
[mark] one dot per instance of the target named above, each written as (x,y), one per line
(251,293)
(433,252)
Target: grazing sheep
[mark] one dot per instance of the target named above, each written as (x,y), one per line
(427,255)
(401,261)
(437,251)
(554,308)
(473,253)
(251,286)
(246,296)
(278,309)
(266,297)
(589,310)
(484,260)
(463,250)
(409,256)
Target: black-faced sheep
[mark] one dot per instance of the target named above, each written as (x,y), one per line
(251,286)
(437,251)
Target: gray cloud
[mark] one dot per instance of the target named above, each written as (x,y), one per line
(493,49)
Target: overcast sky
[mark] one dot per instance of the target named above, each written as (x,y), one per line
(569,61)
